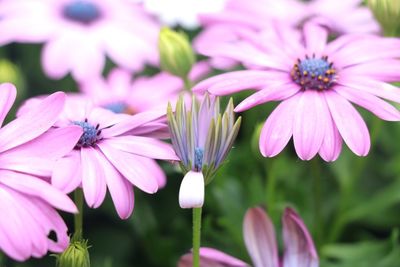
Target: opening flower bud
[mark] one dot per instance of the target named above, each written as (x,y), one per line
(191,192)
(387,12)
(76,255)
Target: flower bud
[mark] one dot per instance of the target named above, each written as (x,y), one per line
(10,73)
(176,54)
(387,12)
(76,255)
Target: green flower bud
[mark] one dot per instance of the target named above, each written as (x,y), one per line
(176,53)
(387,12)
(76,255)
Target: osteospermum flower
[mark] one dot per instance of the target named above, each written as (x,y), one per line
(316,81)
(29,148)
(78,34)
(106,156)
(259,237)
(202,139)
(122,94)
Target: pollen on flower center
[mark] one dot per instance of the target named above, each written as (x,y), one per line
(82,11)
(198,158)
(313,73)
(91,134)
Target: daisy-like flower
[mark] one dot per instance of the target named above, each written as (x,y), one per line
(78,34)
(106,156)
(259,236)
(202,139)
(316,81)
(187,13)
(122,94)
(29,148)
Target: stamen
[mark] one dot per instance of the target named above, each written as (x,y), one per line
(82,11)
(198,158)
(314,73)
(91,134)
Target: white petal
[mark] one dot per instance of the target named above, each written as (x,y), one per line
(191,192)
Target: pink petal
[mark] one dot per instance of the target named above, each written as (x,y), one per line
(144,146)
(315,38)
(56,58)
(120,189)
(93,180)
(127,164)
(210,257)
(380,108)
(278,128)
(276,92)
(8,92)
(67,173)
(299,246)
(386,70)
(32,124)
(308,130)
(259,237)
(349,123)
(38,188)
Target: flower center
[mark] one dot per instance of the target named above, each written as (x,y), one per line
(116,107)
(198,158)
(313,73)
(90,136)
(82,11)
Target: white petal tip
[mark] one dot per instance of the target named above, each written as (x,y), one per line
(191,192)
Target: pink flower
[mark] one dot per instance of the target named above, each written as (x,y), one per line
(259,236)
(29,148)
(78,34)
(122,94)
(316,81)
(106,156)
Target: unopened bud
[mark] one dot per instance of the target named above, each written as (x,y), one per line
(387,12)
(76,255)
(176,53)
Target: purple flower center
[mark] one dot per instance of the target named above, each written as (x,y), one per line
(313,73)
(90,136)
(116,107)
(82,11)
(198,158)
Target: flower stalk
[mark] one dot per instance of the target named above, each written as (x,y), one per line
(196,236)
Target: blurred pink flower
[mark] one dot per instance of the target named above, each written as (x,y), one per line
(29,148)
(316,81)
(107,157)
(78,34)
(259,236)
(122,94)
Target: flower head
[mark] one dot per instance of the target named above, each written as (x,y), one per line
(316,81)
(202,138)
(29,148)
(259,236)
(78,34)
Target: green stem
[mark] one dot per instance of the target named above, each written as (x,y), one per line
(78,218)
(187,84)
(270,188)
(317,199)
(196,236)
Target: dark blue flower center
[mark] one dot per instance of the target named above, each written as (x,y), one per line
(91,134)
(116,107)
(82,11)
(198,158)
(313,73)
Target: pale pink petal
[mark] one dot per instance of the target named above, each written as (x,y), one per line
(259,237)
(191,191)
(210,257)
(349,123)
(315,38)
(93,180)
(37,188)
(121,190)
(127,164)
(56,58)
(379,107)
(8,92)
(278,128)
(67,173)
(308,130)
(32,124)
(154,169)
(299,246)
(279,91)
(387,70)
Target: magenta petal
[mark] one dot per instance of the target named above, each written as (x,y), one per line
(380,108)
(144,146)
(36,187)
(259,237)
(299,246)
(387,70)
(278,128)
(349,123)
(93,180)
(67,173)
(120,189)
(8,92)
(131,168)
(308,130)
(32,124)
